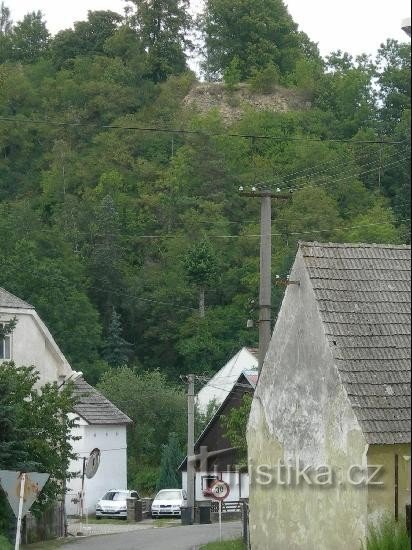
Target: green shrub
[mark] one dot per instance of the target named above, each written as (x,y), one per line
(265,81)
(5,544)
(232,75)
(391,535)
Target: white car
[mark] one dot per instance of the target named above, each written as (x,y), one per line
(169,502)
(114,504)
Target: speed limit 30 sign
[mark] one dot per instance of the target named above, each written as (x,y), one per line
(220,490)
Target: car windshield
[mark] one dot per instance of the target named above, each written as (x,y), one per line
(115,495)
(169,495)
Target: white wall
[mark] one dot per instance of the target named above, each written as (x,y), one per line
(239,485)
(112,472)
(221,384)
(32,345)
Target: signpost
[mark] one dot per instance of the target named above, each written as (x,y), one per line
(22,490)
(219,491)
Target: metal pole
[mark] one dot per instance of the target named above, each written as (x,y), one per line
(220,520)
(191,443)
(19,517)
(265,298)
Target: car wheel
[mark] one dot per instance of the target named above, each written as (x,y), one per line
(98,518)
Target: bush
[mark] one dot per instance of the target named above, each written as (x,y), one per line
(5,544)
(391,535)
(232,75)
(265,81)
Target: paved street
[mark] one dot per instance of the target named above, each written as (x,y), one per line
(173,538)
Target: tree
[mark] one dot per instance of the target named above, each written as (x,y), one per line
(163,26)
(258,32)
(157,408)
(171,458)
(116,350)
(232,75)
(36,431)
(394,77)
(5,21)
(201,267)
(29,38)
(235,426)
(87,38)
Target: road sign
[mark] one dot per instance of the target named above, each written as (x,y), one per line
(22,490)
(92,464)
(11,484)
(220,490)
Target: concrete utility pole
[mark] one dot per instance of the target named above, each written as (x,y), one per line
(265,293)
(191,443)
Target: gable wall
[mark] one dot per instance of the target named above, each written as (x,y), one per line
(301,412)
(30,346)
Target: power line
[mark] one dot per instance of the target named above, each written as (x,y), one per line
(285,139)
(339,166)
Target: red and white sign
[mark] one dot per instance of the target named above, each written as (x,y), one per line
(220,490)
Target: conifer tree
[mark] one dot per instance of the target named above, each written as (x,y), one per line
(171,458)
(116,350)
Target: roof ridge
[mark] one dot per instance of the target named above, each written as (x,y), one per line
(354,245)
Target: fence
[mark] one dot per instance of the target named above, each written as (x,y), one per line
(50,525)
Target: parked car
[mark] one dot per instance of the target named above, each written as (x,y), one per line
(114,504)
(169,502)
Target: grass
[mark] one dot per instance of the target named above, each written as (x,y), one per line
(48,545)
(389,536)
(230,545)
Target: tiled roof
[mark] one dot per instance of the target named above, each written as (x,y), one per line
(8,300)
(364,298)
(94,408)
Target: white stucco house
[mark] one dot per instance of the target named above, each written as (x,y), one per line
(101,425)
(218,387)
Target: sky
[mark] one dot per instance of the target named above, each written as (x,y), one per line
(356,26)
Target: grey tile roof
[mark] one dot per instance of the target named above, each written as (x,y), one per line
(93,407)
(8,300)
(364,298)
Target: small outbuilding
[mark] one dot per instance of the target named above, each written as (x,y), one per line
(329,432)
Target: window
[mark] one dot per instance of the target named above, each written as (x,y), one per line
(207,482)
(5,346)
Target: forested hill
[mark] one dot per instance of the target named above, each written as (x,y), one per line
(113,221)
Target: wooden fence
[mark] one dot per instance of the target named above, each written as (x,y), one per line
(50,525)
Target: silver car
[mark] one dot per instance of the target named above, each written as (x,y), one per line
(114,504)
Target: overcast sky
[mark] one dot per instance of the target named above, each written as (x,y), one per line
(355,26)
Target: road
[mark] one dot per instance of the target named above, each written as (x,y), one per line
(169,538)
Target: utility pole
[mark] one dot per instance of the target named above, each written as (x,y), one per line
(191,444)
(265,292)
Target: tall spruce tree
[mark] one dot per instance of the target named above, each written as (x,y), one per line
(171,458)
(116,350)
(163,26)
(257,32)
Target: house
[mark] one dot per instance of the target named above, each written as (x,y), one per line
(101,426)
(31,342)
(329,431)
(102,432)
(216,390)
(216,458)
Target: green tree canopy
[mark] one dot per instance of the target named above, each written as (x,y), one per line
(35,431)
(163,27)
(257,32)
